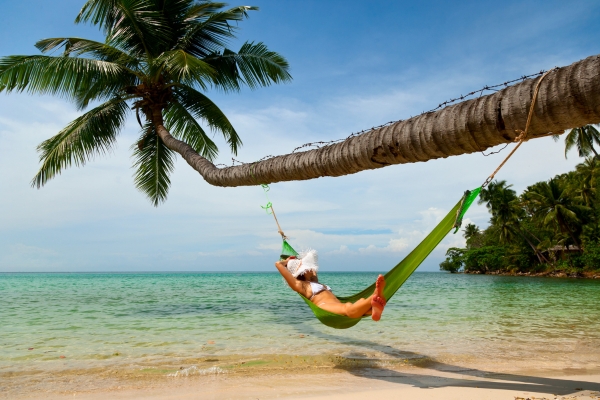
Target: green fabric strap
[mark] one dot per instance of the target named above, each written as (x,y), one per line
(400,273)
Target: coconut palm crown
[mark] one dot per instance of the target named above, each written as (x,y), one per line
(158,59)
(583,139)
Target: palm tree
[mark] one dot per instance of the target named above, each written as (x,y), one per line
(472,233)
(159,57)
(586,180)
(507,213)
(502,202)
(568,96)
(553,205)
(471,230)
(582,138)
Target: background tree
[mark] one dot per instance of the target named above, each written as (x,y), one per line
(583,139)
(545,220)
(555,206)
(585,180)
(473,235)
(159,57)
(502,202)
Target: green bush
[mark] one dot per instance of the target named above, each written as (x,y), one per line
(454,260)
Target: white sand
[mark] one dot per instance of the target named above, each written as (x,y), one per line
(366,383)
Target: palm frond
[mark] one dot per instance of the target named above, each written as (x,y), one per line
(63,76)
(80,47)
(582,138)
(203,10)
(184,126)
(184,67)
(593,134)
(98,12)
(201,107)
(91,134)
(208,31)
(136,26)
(175,10)
(254,65)
(154,162)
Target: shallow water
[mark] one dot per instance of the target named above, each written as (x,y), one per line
(97,320)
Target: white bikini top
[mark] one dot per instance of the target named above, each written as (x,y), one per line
(317,288)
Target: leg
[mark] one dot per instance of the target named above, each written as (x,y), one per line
(377,300)
(372,305)
(352,310)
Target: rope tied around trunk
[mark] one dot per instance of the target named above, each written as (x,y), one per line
(522,137)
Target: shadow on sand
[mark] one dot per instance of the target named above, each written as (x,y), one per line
(435,374)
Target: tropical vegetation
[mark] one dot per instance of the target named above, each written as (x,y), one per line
(159,59)
(552,227)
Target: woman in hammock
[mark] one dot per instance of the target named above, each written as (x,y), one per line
(301,275)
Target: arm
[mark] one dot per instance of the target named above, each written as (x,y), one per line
(294,283)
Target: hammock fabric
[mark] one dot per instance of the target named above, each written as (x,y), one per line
(400,273)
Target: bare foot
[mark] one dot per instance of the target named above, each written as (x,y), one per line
(378,301)
(379,286)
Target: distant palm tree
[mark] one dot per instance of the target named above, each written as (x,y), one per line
(502,202)
(586,180)
(582,138)
(553,205)
(158,58)
(507,213)
(471,230)
(472,234)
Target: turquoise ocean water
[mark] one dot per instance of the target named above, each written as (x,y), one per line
(97,320)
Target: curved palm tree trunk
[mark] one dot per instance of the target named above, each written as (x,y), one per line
(564,226)
(540,256)
(568,97)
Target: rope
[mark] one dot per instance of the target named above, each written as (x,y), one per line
(522,134)
(268,207)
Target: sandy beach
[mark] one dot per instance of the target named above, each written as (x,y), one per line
(293,377)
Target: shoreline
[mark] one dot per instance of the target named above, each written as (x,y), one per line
(551,274)
(331,377)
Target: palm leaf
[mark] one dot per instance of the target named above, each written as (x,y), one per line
(254,65)
(582,138)
(153,162)
(79,47)
(182,125)
(183,67)
(204,10)
(136,26)
(102,89)
(64,76)
(201,107)
(208,31)
(93,133)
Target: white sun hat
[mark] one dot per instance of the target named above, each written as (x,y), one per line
(306,261)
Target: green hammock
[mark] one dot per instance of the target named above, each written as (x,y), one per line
(400,273)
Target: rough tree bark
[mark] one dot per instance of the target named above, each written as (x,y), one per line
(568,97)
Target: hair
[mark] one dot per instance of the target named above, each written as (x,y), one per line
(303,278)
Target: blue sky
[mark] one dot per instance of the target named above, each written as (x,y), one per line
(355,64)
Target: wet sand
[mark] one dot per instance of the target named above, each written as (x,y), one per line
(326,377)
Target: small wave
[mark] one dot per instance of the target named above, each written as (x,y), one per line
(193,370)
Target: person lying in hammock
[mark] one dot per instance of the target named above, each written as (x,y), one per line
(301,274)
